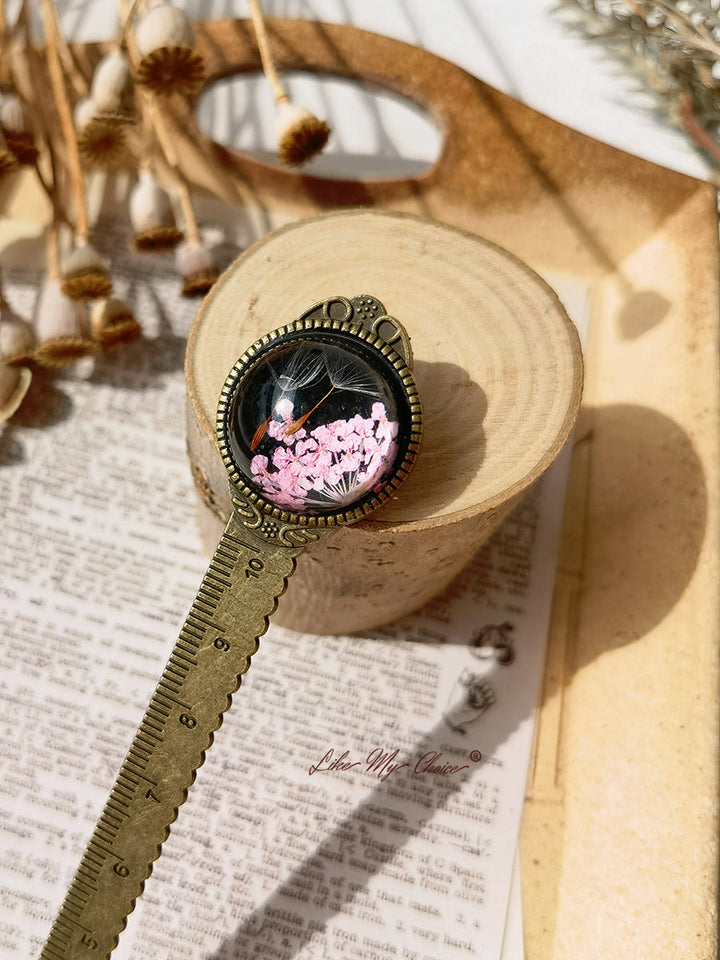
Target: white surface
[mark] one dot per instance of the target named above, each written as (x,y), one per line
(522,47)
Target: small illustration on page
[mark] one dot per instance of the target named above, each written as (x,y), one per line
(473,693)
(471,696)
(493,642)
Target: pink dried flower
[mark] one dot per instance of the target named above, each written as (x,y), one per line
(337,463)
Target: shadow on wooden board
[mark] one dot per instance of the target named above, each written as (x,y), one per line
(619,843)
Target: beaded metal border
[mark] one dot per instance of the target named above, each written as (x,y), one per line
(254,354)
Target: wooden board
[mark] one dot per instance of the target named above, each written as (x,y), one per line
(620,839)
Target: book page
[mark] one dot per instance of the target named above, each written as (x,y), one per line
(363,795)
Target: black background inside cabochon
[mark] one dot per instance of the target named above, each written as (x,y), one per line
(258,392)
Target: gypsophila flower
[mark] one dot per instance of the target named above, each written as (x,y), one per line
(336,462)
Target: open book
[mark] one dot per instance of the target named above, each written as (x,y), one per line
(363,796)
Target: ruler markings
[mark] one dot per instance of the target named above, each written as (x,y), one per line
(166,684)
(79,897)
(120,799)
(213,592)
(137,828)
(206,623)
(211,575)
(106,850)
(159,693)
(54,950)
(207,597)
(180,668)
(143,741)
(229,537)
(105,835)
(175,673)
(114,805)
(223,558)
(123,791)
(201,604)
(141,736)
(226,549)
(180,655)
(62,942)
(174,669)
(108,833)
(198,630)
(150,724)
(78,924)
(187,646)
(77,904)
(204,607)
(210,590)
(97,859)
(88,870)
(226,545)
(142,776)
(177,667)
(162,711)
(157,722)
(109,820)
(149,734)
(129,776)
(226,557)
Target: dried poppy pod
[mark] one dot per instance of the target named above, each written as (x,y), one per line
(113,324)
(112,91)
(300,134)
(166,43)
(14,384)
(197,268)
(17,337)
(152,216)
(62,327)
(16,126)
(84,113)
(85,274)
(101,141)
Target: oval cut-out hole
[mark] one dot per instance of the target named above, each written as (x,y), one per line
(376,134)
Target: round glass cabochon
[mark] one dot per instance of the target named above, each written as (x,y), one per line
(318,423)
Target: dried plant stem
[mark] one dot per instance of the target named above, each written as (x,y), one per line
(154,117)
(21,61)
(192,231)
(687,31)
(279,92)
(126,17)
(694,128)
(157,121)
(57,81)
(52,247)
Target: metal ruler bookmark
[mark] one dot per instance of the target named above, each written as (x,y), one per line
(220,635)
(318,424)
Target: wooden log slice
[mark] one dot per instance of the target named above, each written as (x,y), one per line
(499,370)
